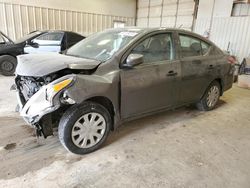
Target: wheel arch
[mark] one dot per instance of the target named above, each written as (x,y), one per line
(107,103)
(220,81)
(12,55)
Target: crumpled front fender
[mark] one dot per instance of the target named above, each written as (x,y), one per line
(88,86)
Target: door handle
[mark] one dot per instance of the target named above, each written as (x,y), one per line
(210,67)
(171,73)
(196,62)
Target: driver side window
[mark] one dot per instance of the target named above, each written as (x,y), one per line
(155,48)
(49,39)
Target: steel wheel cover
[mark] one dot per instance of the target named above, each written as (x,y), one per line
(88,130)
(213,96)
(6,65)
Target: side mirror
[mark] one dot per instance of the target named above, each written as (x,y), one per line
(133,60)
(33,44)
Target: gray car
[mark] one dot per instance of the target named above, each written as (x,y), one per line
(115,76)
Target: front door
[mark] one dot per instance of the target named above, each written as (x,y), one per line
(48,42)
(151,85)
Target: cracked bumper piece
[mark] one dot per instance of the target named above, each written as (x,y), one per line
(36,107)
(45,100)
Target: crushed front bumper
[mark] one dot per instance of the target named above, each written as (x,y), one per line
(36,107)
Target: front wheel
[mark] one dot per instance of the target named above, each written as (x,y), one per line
(210,98)
(84,128)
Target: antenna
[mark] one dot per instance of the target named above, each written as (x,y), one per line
(180,26)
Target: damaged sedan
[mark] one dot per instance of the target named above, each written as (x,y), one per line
(115,76)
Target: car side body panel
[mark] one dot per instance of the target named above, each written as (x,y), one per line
(129,89)
(146,89)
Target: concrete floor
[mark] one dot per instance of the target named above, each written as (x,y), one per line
(181,148)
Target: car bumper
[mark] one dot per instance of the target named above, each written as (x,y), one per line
(36,107)
(229,79)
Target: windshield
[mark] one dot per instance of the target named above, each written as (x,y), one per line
(26,37)
(103,45)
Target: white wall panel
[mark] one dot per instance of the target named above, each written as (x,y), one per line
(155,3)
(184,21)
(154,22)
(169,9)
(142,22)
(18,20)
(168,21)
(159,11)
(143,3)
(155,11)
(142,12)
(225,31)
(125,8)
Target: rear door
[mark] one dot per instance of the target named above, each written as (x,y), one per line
(197,66)
(151,85)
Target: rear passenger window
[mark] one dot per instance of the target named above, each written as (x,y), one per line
(191,46)
(205,47)
(156,48)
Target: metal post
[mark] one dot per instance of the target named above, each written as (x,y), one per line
(211,21)
(148,12)
(176,15)
(162,3)
(195,14)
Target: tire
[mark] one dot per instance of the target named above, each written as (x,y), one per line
(210,98)
(76,133)
(8,65)
(235,78)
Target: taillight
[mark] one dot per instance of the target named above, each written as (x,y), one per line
(231,60)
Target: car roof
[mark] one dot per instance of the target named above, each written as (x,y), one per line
(147,30)
(52,31)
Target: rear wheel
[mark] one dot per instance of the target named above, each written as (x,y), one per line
(210,98)
(84,128)
(8,65)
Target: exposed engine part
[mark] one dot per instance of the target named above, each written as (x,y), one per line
(28,86)
(66,99)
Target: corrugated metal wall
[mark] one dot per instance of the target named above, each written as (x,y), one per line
(165,13)
(18,20)
(225,31)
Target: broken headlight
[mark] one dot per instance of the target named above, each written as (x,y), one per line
(57,86)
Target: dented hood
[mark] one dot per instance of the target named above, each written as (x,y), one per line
(44,64)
